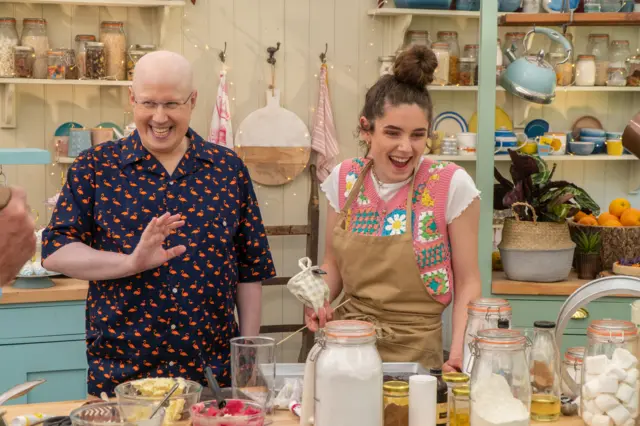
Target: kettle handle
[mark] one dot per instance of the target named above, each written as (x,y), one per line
(554,36)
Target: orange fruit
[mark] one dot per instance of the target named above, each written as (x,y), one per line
(588,220)
(618,206)
(612,222)
(578,216)
(604,217)
(630,217)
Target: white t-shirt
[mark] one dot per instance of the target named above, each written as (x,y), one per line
(462,191)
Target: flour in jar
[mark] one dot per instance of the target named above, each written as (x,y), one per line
(494,404)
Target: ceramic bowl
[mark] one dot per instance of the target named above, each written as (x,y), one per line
(613,136)
(582,148)
(598,133)
(202,414)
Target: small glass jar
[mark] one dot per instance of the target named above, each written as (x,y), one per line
(136,52)
(115,49)
(34,34)
(56,69)
(449,145)
(386,64)
(511,39)
(451,38)
(633,76)
(619,53)
(592,6)
(461,406)
(8,40)
(23,61)
(598,46)
(396,403)
(81,53)
(572,365)
(441,74)
(69,63)
(610,373)
(586,70)
(472,51)
(564,71)
(454,381)
(467,72)
(500,378)
(96,61)
(617,77)
(482,313)
(546,385)
(414,37)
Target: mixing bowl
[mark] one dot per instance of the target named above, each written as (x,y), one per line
(237,412)
(177,412)
(114,414)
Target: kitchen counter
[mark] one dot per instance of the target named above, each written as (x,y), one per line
(65,290)
(281,418)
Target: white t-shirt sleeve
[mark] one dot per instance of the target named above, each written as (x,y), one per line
(462,191)
(331,188)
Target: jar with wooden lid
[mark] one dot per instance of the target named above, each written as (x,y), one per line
(619,53)
(417,37)
(454,380)
(81,53)
(467,72)
(396,403)
(616,77)
(461,406)
(586,70)
(598,46)
(96,61)
(55,65)
(34,34)
(23,57)
(8,40)
(441,74)
(451,38)
(115,49)
(69,63)
(633,75)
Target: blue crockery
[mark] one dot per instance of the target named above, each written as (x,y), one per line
(597,133)
(509,5)
(423,4)
(613,136)
(581,148)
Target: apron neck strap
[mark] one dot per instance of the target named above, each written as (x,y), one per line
(409,211)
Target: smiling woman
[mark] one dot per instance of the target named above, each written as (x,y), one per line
(400,227)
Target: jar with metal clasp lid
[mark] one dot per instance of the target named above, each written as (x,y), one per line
(500,385)
(482,313)
(454,380)
(610,379)
(396,403)
(572,365)
(343,377)
(461,406)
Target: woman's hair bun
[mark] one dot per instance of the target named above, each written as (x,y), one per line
(415,66)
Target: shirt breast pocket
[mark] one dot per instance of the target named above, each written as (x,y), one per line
(219,231)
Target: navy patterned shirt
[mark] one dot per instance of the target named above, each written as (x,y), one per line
(171,320)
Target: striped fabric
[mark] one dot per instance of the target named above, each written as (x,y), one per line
(323,139)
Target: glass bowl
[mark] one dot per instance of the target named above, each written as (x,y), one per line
(115,414)
(202,413)
(154,390)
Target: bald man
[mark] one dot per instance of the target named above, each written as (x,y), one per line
(166,228)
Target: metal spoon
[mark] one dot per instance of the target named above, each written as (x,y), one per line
(19,390)
(214,387)
(166,397)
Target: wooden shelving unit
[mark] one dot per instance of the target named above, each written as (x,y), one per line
(48,82)
(393,11)
(106,3)
(579,19)
(501,285)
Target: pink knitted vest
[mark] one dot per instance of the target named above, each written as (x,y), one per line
(370,215)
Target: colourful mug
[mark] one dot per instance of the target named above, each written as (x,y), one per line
(614,147)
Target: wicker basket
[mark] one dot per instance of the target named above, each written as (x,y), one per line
(525,235)
(617,241)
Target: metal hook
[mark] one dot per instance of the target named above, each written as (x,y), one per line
(323,56)
(223,55)
(272,51)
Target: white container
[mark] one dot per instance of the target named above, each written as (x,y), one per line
(386,64)
(441,75)
(467,143)
(586,70)
(348,376)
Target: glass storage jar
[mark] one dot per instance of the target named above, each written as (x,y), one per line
(633,75)
(386,64)
(96,61)
(598,46)
(564,72)
(34,34)
(396,403)
(545,368)
(115,49)
(23,57)
(8,40)
(454,380)
(461,408)
(482,313)
(81,53)
(586,70)
(500,386)
(616,77)
(467,72)
(348,376)
(619,53)
(609,388)
(136,52)
(451,38)
(441,74)
(471,51)
(511,39)
(55,65)
(572,365)
(69,63)
(421,38)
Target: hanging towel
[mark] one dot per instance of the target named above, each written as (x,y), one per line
(221,132)
(323,138)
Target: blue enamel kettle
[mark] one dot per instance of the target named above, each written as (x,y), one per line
(531,77)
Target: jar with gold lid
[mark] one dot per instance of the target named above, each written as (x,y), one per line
(396,403)
(461,406)
(454,380)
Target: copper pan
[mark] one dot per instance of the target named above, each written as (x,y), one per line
(631,135)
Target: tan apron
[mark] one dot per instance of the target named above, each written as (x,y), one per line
(381,277)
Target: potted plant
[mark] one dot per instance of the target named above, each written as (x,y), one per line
(587,254)
(536,244)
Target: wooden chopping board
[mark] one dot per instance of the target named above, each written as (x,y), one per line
(274,143)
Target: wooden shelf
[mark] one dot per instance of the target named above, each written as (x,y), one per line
(579,19)
(24,156)
(64,82)
(115,3)
(551,158)
(559,89)
(393,11)
(501,285)
(65,289)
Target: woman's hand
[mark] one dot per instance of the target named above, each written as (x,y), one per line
(452,365)
(317,321)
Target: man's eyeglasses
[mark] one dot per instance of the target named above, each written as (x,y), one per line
(151,105)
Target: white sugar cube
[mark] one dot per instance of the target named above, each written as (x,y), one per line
(592,388)
(591,407)
(619,415)
(615,371)
(632,404)
(624,393)
(632,376)
(606,402)
(624,358)
(596,364)
(589,377)
(608,384)
(600,420)
(587,417)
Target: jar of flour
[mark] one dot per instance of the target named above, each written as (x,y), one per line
(500,385)
(610,379)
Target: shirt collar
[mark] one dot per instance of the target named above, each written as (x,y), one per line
(134,151)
